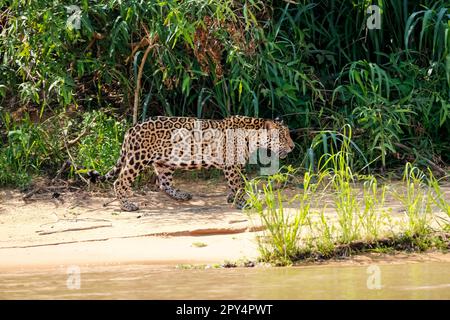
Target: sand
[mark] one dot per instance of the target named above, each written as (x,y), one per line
(75,228)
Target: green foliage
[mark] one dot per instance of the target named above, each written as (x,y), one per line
(28,150)
(314,62)
(100,149)
(42,148)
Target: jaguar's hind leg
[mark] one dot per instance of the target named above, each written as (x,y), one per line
(236,184)
(165,183)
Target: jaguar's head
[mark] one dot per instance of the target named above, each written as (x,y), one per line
(283,144)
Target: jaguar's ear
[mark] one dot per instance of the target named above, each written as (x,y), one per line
(279,120)
(269,125)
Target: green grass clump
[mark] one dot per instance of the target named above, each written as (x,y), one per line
(439,197)
(374,213)
(199,244)
(417,200)
(361,221)
(283,227)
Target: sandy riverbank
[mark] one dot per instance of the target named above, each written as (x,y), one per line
(75,228)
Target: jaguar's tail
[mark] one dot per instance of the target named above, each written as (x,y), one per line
(95,176)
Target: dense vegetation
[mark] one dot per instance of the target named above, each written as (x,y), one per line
(72,79)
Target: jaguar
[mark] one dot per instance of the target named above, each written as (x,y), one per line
(170,143)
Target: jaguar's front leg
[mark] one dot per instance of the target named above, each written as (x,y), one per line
(236,184)
(165,183)
(122,185)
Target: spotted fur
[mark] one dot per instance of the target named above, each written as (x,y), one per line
(154,143)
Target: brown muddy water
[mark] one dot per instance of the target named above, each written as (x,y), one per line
(424,280)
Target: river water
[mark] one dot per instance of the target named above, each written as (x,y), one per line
(424,280)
